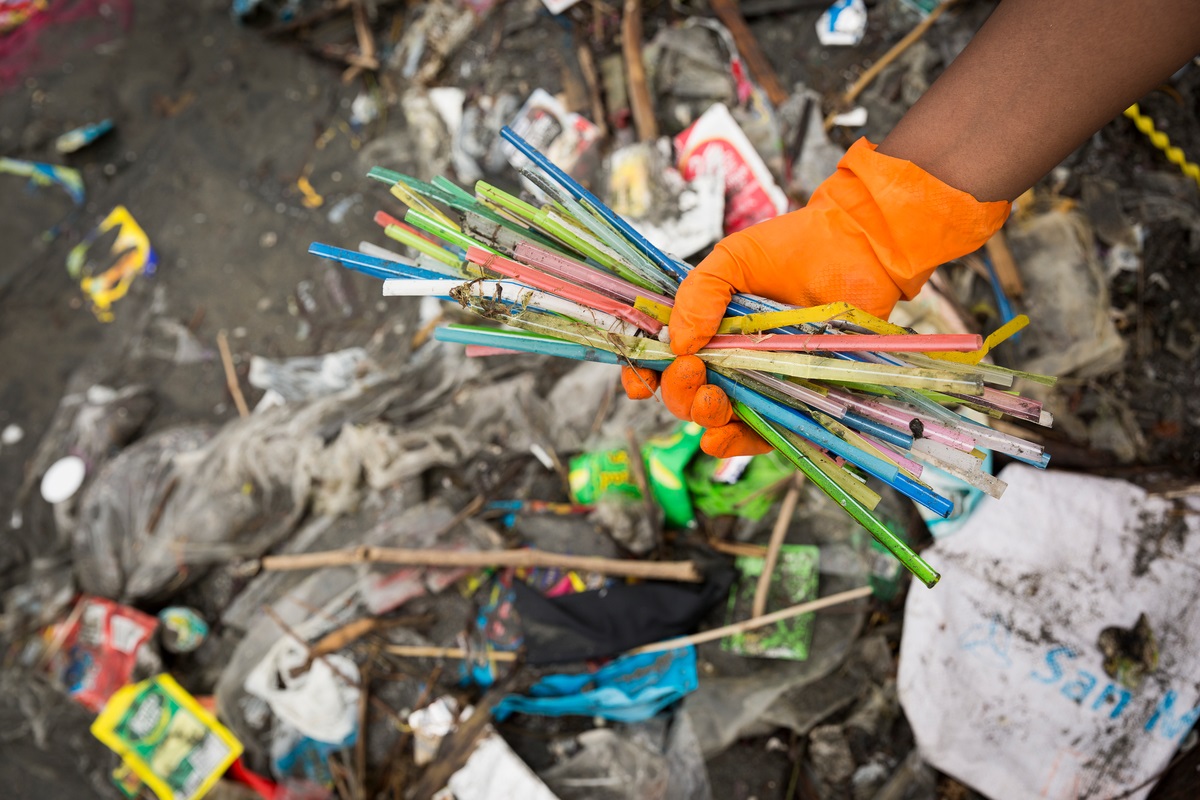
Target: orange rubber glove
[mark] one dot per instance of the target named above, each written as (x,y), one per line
(872,233)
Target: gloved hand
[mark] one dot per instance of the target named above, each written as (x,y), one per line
(872,233)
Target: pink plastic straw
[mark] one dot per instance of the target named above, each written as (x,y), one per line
(537,279)
(901,421)
(891,455)
(580,273)
(481,350)
(850,342)
(834,407)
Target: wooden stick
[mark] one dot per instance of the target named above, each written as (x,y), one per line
(777,535)
(635,72)
(364,706)
(872,72)
(587,65)
(421,651)
(1005,265)
(760,622)
(231,379)
(738,549)
(684,571)
(731,17)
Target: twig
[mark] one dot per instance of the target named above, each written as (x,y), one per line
(364,707)
(1005,265)
(731,17)
(759,622)
(339,773)
(353,631)
(290,631)
(424,651)
(392,774)
(872,72)
(637,470)
(639,92)
(777,534)
(684,571)
(587,65)
(457,747)
(738,549)
(231,379)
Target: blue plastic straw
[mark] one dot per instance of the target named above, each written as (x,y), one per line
(796,421)
(370,265)
(664,262)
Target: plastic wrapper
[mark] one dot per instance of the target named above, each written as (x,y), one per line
(99,649)
(167,739)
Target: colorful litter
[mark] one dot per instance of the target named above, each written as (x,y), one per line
(40,174)
(107,277)
(82,136)
(838,392)
(167,739)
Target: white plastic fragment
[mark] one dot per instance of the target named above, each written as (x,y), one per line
(63,479)
(843,23)
(11,435)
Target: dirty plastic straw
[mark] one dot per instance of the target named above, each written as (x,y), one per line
(849,343)
(421,244)
(896,546)
(509,292)
(580,273)
(370,265)
(658,257)
(795,421)
(530,276)
(883,413)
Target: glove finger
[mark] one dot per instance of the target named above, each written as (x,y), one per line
(734,439)
(700,304)
(711,408)
(680,381)
(639,383)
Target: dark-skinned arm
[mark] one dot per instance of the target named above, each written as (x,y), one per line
(1035,82)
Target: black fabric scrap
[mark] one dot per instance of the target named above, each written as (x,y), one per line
(606,622)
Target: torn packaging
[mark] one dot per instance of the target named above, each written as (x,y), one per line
(609,621)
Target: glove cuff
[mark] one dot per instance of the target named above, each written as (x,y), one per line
(913,221)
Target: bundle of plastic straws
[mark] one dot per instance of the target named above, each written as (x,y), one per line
(840,393)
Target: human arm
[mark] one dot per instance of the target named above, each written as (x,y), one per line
(1034,83)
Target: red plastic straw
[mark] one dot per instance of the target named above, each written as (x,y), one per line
(580,273)
(548,283)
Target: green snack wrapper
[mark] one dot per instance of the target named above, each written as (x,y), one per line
(665,457)
(735,486)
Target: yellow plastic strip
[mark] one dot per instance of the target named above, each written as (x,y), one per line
(653,309)
(1001,334)
(418,203)
(848,483)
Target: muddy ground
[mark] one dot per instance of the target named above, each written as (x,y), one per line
(216,121)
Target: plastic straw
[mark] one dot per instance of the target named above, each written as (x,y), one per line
(896,546)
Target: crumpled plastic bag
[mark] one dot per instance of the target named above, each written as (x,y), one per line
(320,700)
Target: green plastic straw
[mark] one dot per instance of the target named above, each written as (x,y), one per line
(422,245)
(443,231)
(896,546)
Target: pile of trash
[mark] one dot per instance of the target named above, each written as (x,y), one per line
(405,571)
